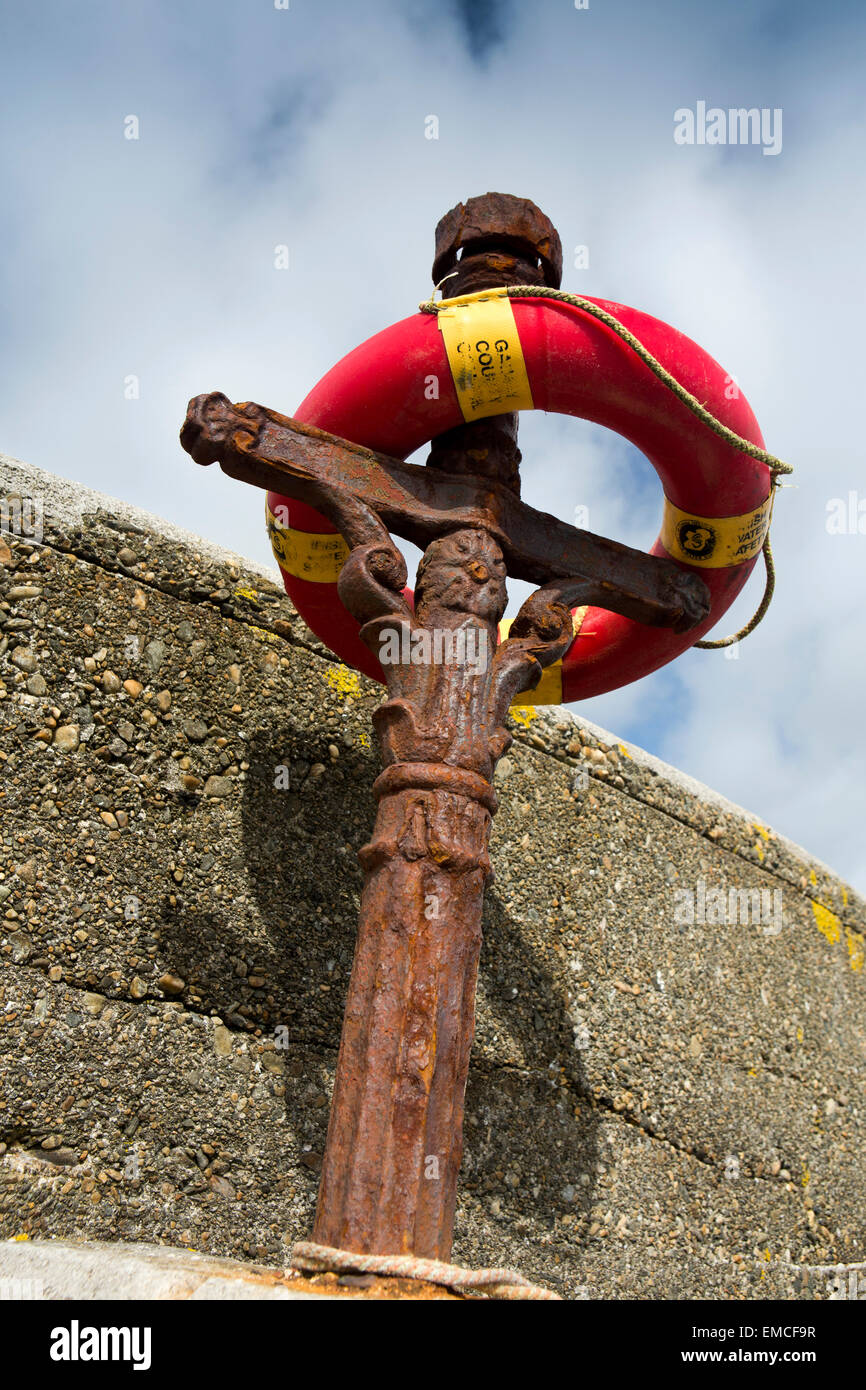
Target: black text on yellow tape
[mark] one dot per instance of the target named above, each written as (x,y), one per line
(715,542)
(307,554)
(484,354)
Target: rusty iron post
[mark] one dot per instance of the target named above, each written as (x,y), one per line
(395,1138)
(394,1144)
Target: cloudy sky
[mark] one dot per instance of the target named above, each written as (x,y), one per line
(305,127)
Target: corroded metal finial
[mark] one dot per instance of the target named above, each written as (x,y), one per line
(496,240)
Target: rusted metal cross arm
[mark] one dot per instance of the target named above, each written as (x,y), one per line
(272,451)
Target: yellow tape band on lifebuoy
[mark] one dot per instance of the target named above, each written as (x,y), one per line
(307,554)
(715,542)
(549,688)
(484,354)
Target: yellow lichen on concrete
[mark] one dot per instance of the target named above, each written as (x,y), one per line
(764,833)
(827,922)
(856,943)
(831,926)
(523,714)
(345,683)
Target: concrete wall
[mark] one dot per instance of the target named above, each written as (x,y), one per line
(656,1108)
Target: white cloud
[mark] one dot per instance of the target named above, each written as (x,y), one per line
(306,127)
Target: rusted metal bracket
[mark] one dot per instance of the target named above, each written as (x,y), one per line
(272,451)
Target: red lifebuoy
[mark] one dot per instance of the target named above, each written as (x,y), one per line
(717,498)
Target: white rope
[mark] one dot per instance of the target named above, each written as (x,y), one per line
(495,1283)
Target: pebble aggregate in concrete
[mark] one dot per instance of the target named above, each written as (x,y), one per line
(185,780)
